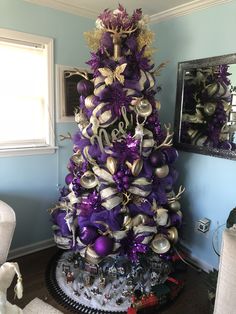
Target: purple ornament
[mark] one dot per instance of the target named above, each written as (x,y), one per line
(103,246)
(226,145)
(157,159)
(59,218)
(69,178)
(175,219)
(85,87)
(88,234)
(171,154)
(166,256)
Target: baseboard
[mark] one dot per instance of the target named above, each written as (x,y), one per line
(197,262)
(194,260)
(31,248)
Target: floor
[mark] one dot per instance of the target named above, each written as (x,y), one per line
(192,299)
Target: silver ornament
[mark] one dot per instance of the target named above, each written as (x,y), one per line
(160,244)
(162,172)
(172,234)
(175,206)
(88,180)
(89,102)
(144,108)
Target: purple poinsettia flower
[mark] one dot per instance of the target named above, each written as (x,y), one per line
(126,149)
(223,74)
(116,96)
(100,60)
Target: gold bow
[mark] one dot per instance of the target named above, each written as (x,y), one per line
(110,75)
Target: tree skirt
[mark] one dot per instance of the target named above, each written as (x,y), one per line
(84,291)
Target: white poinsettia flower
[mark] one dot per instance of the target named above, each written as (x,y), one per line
(144,21)
(116,12)
(99,24)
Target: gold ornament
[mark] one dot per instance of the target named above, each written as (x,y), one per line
(111,76)
(91,256)
(175,206)
(135,167)
(127,222)
(212,89)
(161,216)
(111,164)
(144,108)
(162,172)
(89,102)
(77,158)
(88,180)
(160,244)
(140,219)
(172,234)
(209,108)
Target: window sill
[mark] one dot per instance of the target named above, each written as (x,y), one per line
(27,151)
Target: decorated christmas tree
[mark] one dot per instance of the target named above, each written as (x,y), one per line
(118,216)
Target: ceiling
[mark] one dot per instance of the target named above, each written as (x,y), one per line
(156,9)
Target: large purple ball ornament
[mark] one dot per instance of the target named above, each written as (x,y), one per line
(176,219)
(59,219)
(103,246)
(171,154)
(157,159)
(88,234)
(85,87)
(69,178)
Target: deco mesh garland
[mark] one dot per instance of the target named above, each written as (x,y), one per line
(119,205)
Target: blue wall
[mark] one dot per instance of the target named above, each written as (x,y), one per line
(209,181)
(29,183)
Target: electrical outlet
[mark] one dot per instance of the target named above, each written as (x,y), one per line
(203,225)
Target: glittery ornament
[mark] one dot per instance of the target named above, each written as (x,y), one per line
(162,172)
(103,246)
(85,87)
(157,158)
(88,235)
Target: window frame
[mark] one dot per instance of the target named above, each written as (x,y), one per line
(50,147)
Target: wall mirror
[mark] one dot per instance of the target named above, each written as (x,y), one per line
(205,115)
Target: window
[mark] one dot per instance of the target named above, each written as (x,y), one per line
(66,91)
(26,97)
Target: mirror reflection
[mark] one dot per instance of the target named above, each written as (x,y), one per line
(206,106)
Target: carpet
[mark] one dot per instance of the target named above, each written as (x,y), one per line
(37,306)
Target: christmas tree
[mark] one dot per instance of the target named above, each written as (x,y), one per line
(119,213)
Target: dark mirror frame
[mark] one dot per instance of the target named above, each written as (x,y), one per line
(182,67)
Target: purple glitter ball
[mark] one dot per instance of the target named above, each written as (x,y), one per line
(175,219)
(171,154)
(85,87)
(157,159)
(88,235)
(69,178)
(59,218)
(103,246)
